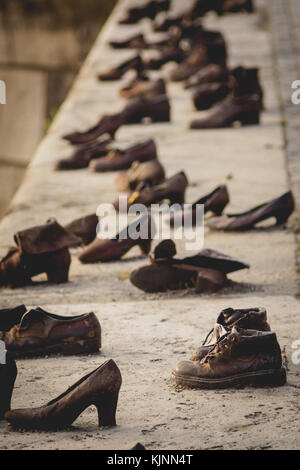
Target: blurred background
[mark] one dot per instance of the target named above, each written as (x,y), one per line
(42,46)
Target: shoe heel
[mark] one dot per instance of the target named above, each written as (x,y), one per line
(282,219)
(251,118)
(145,246)
(218,210)
(161,114)
(272,378)
(58,267)
(107,408)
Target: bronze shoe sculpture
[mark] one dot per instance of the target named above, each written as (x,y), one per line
(84,228)
(99,388)
(10,317)
(149,10)
(149,173)
(116,73)
(239,358)
(281,209)
(247,319)
(84,154)
(118,160)
(8,375)
(113,249)
(40,333)
(43,249)
(168,273)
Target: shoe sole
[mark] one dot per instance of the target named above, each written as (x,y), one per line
(263,378)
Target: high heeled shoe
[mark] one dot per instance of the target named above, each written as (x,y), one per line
(149,173)
(100,388)
(84,228)
(118,160)
(215,202)
(83,155)
(10,317)
(281,209)
(116,73)
(107,125)
(115,248)
(8,375)
(173,189)
(43,249)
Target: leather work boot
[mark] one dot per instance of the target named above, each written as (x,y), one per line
(83,155)
(113,249)
(10,317)
(116,73)
(172,189)
(118,160)
(168,273)
(107,125)
(149,10)
(43,249)
(214,202)
(149,173)
(99,388)
(41,333)
(8,375)
(145,89)
(239,358)
(247,319)
(84,228)
(280,209)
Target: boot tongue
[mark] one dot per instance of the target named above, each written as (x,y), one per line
(216,334)
(32,317)
(2,353)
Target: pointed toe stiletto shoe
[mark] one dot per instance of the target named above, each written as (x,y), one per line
(107,125)
(83,155)
(100,388)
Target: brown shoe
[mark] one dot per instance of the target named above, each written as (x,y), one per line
(99,388)
(84,228)
(116,73)
(8,375)
(118,160)
(137,41)
(206,96)
(83,155)
(107,125)
(41,333)
(280,208)
(43,249)
(149,10)
(144,89)
(150,173)
(10,317)
(239,358)
(157,109)
(248,319)
(115,248)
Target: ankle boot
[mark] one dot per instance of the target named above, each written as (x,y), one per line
(107,125)
(116,73)
(248,319)
(10,317)
(43,249)
(239,358)
(145,89)
(8,375)
(84,228)
(149,10)
(173,189)
(149,173)
(122,159)
(281,209)
(99,388)
(83,155)
(245,82)
(41,333)
(115,248)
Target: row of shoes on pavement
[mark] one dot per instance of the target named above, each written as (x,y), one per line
(240,350)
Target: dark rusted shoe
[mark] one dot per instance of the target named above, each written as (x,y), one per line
(100,388)
(41,333)
(107,125)
(8,375)
(281,209)
(122,159)
(83,155)
(239,358)
(116,73)
(137,41)
(43,249)
(172,189)
(213,73)
(149,173)
(84,228)
(214,202)
(145,89)
(115,248)
(149,10)
(10,317)
(244,110)
(248,319)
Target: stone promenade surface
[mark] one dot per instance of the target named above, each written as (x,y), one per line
(148,334)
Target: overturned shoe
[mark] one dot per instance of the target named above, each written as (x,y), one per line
(43,249)
(41,333)
(83,155)
(99,388)
(84,228)
(280,209)
(113,249)
(116,73)
(118,160)
(239,358)
(150,173)
(8,375)
(10,317)
(248,319)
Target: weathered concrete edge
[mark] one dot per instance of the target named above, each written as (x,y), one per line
(287,70)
